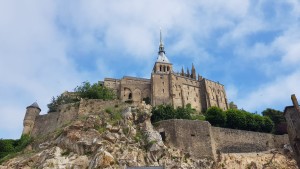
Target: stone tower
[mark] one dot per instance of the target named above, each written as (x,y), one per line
(160,78)
(32,112)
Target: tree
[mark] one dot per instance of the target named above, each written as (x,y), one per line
(165,112)
(59,100)
(236,119)
(280,126)
(162,112)
(94,91)
(216,116)
(268,125)
(86,90)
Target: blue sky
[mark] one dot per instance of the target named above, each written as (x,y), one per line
(47,47)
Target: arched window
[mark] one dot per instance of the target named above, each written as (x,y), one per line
(164,68)
(160,68)
(168,68)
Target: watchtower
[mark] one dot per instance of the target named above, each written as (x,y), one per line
(32,112)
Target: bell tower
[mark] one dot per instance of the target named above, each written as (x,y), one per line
(160,77)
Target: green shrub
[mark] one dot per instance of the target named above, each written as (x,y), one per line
(235,119)
(147,100)
(85,90)
(198,117)
(280,125)
(94,91)
(268,125)
(216,116)
(9,147)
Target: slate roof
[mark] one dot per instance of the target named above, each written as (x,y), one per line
(34,105)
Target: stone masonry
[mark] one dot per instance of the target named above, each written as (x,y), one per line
(292,116)
(167,87)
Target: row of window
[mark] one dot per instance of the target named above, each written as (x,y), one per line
(164,68)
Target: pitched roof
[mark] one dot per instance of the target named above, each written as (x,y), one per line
(34,105)
(162,58)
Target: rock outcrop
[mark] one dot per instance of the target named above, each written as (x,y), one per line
(119,137)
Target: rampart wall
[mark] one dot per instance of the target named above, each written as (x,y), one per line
(239,141)
(202,140)
(47,123)
(193,136)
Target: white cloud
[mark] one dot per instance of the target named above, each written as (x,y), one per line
(273,94)
(47,47)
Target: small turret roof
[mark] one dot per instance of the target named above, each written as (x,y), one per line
(34,105)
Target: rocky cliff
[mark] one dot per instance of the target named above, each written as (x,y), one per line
(121,136)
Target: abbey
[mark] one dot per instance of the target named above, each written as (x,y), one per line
(167,87)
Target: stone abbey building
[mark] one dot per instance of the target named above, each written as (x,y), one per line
(167,87)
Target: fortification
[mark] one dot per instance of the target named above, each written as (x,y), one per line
(32,112)
(35,124)
(200,139)
(168,87)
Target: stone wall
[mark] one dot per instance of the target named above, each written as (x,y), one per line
(214,94)
(191,136)
(202,140)
(186,90)
(130,88)
(47,123)
(238,141)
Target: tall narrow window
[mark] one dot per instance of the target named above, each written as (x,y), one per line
(163,90)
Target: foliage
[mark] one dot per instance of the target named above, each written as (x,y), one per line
(115,114)
(268,125)
(147,100)
(198,117)
(216,116)
(86,90)
(278,119)
(165,112)
(235,119)
(239,119)
(9,146)
(94,91)
(59,100)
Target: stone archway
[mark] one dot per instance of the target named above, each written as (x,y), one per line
(137,95)
(127,94)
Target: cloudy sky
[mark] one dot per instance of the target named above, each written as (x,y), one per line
(47,47)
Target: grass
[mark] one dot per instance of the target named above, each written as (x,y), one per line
(126,131)
(115,115)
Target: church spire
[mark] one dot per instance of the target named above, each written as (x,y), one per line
(161,44)
(161,52)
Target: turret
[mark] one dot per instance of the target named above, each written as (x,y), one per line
(193,75)
(32,112)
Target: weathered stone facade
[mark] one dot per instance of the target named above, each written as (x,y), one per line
(292,116)
(202,140)
(36,124)
(167,87)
